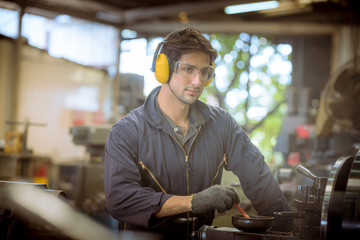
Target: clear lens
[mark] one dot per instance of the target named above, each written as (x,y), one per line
(189,71)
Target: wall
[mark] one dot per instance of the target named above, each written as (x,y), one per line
(48,90)
(346,46)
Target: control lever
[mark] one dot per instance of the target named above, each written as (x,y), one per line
(319,182)
(191,220)
(306,172)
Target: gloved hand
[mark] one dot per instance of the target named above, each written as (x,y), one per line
(215,197)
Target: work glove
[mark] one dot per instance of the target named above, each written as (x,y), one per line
(216,197)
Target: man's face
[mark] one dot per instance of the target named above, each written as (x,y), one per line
(188,82)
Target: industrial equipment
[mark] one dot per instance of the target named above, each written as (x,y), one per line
(316,135)
(92,137)
(26,213)
(17,161)
(83,181)
(13,223)
(129,96)
(328,209)
(323,137)
(32,212)
(15,141)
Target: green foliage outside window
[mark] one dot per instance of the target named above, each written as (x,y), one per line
(252,76)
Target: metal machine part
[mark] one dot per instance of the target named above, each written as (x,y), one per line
(14,223)
(22,136)
(341,207)
(216,233)
(93,137)
(327,210)
(309,204)
(30,211)
(193,222)
(130,95)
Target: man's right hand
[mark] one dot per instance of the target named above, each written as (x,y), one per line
(215,197)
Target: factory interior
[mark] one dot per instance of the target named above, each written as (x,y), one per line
(51,150)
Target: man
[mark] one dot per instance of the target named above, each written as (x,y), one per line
(164,160)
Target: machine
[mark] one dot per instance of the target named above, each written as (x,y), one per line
(319,132)
(13,223)
(328,209)
(129,96)
(316,134)
(83,181)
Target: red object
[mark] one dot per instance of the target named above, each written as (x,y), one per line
(78,117)
(241,211)
(98,117)
(41,171)
(304,131)
(293,158)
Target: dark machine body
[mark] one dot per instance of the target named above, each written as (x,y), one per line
(328,209)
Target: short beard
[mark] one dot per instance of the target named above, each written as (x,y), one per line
(181,98)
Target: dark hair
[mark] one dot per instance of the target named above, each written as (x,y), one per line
(186,41)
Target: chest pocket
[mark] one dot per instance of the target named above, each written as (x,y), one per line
(148,179)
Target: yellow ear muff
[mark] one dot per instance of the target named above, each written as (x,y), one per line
(162,68)
(209,81)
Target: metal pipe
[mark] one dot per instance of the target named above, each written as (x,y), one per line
(115,80)
(15,72)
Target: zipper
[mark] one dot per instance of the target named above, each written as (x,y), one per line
(152,175)
(218,167)
(186,157)
(187,172)
(187,161)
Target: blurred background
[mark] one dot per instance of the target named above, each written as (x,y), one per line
(287,71)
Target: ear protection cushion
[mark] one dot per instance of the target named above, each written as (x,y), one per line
(162,68)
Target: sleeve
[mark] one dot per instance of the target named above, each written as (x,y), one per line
(126,199)
(247,163)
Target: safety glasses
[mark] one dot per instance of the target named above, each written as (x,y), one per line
(188,70)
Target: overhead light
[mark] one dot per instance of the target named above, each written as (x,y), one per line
(127,33)
(63,18)
(251,7)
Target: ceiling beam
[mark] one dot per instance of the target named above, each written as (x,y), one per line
(171,10)
(256,27)
(107,13)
